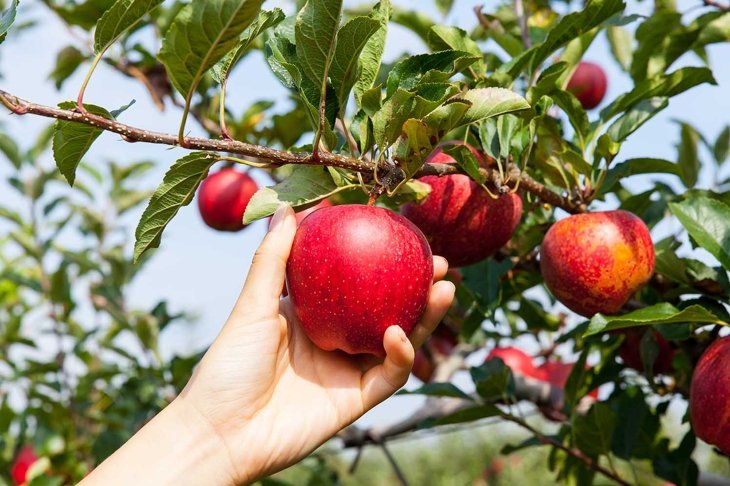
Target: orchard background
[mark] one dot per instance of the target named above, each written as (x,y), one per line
(94,344)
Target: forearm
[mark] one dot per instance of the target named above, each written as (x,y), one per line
(176,447)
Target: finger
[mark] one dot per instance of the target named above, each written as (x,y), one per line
(383,380)
(267,274)
(440,267)
(439,301)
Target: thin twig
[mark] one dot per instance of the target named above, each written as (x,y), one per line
(394,464)
(520,11)
(714,3)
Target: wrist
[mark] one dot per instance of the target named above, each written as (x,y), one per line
(178,446)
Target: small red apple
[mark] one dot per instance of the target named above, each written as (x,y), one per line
(223,197)
(517,360)
(595,262)
(303,214)
(354,271)
(588,84)
(441,343)
(709,396)
(461,221)
(557,373)
(630,351)
(24,460)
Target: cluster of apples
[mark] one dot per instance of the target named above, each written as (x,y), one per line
(354,270)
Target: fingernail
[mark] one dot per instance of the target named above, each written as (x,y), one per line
(402,333)
(278,217)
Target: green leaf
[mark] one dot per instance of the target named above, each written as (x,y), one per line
(716,30)
(345,69)
(493,380)
(177,190)
(315,32)
(203,32)
(466,160)
(620,41)
(68,60)
(688,159)
(721,149)
(571,26)
(404,105)
(630,121)
(470,414)
(664,85)
(593,432)
(442,37)
(372,52)
(490,102)
(413,146)
(437,390)
(707,221)
(576,113)
(436,67)
(123,15)
(638,166)
(7,18)
(305,186)
(71,140)
(444,6)
(264,20)
(84,14)
(663,313)
(652,36)
(11,150)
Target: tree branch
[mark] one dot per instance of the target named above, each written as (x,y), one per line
(572,451)
(714,3)
(514,177)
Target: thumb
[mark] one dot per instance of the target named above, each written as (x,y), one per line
(267,274)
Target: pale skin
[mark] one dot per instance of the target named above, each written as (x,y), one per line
(263,396)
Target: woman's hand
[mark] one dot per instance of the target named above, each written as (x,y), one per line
(263,396)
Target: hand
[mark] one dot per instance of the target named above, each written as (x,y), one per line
(266,394)
(271,394)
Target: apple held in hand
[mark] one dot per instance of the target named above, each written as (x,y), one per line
(517,360)
(461,221)
(709,396)
(588,84)
(595,262)
(354,271)
(25,459)
(223,197)
(440,345)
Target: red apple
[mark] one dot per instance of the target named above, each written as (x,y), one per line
(517,360)
(557,373)
(595,262)
(223,197)
(588,84)
(303,214)
(709,396)
(25,459)
(630,351)
(441,343)
(461,221)
(354,271)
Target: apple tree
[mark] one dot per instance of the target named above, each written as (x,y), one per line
(594,301)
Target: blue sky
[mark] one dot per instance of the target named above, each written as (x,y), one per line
(201,271)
